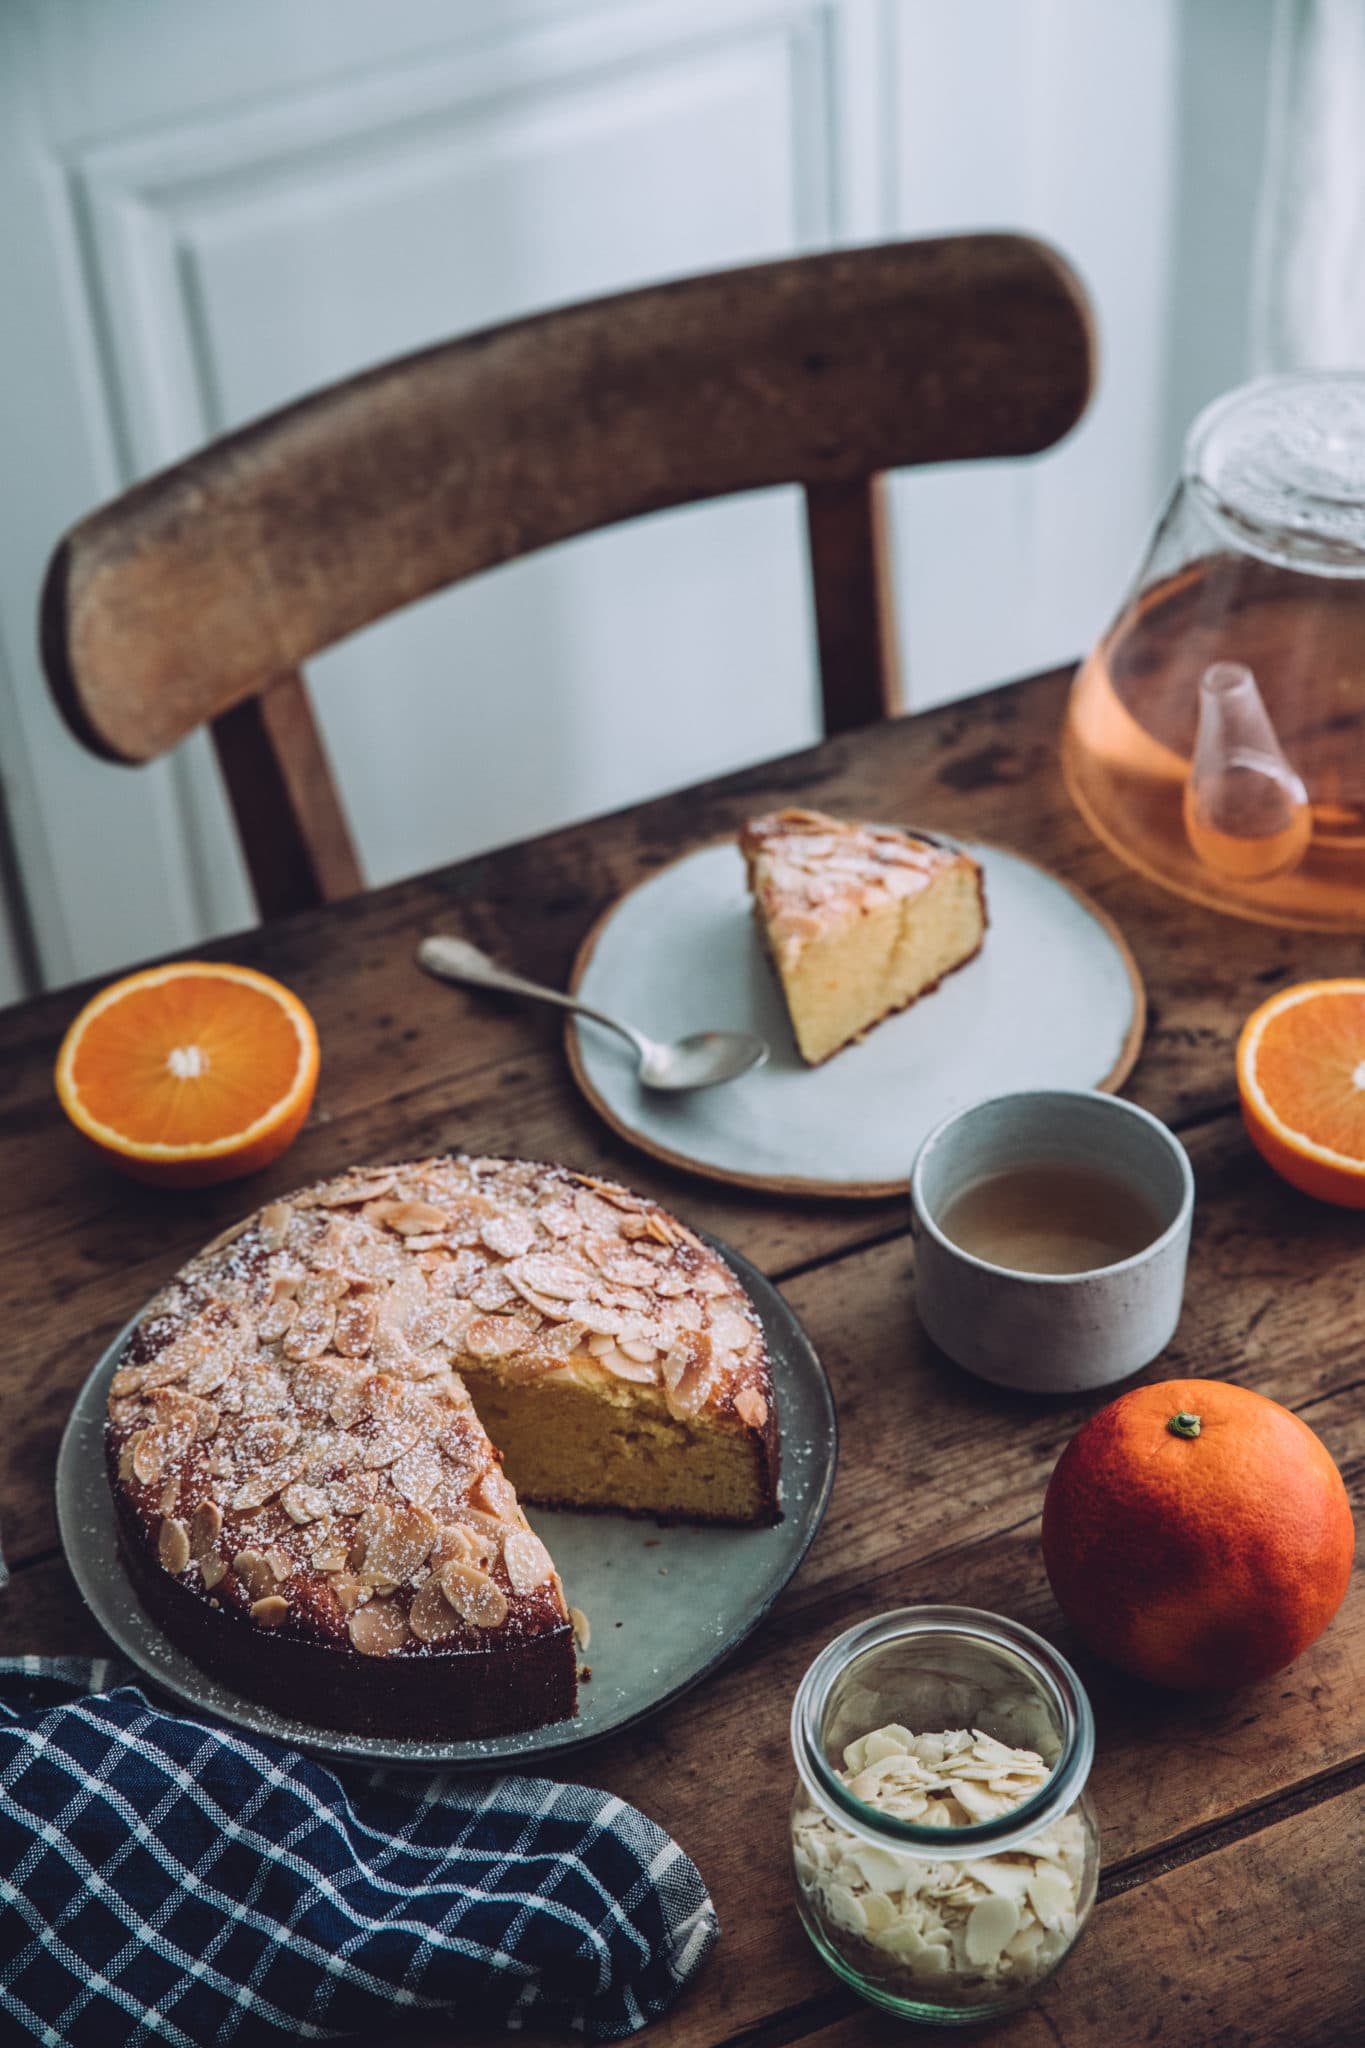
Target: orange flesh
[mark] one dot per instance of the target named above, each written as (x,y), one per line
(186,1062)
(1307,1063)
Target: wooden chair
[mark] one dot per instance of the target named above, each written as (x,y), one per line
(194,598)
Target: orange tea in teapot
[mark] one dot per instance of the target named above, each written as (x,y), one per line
(1216,736)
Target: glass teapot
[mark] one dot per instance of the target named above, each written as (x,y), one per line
(1215,738)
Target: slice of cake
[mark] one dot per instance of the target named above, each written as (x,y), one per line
(307,1434)
(858,920)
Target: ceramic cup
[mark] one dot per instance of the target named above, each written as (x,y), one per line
(1051,1333)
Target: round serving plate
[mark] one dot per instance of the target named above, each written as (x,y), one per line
(666,1602)
(1053,1000)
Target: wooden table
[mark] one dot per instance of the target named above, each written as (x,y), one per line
(1233,1893)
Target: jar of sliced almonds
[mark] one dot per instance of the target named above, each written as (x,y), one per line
(945,1847)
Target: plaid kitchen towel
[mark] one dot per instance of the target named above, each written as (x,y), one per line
(163,1879)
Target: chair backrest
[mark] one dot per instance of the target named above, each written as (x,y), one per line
(195,597)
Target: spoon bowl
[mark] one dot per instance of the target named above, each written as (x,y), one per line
(700,1060)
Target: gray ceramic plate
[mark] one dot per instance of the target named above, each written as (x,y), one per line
(1053,1000)
(665,1604)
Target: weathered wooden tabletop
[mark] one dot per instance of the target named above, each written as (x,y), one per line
(1233,1893)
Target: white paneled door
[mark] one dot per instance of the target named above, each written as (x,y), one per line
(205,211)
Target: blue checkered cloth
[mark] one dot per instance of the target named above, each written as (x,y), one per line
(163,1879)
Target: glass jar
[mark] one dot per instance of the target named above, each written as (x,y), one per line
(1214,737)
(937,1921)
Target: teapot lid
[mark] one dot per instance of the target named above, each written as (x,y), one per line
(1279,466)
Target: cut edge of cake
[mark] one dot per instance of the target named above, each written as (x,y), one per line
(859,921)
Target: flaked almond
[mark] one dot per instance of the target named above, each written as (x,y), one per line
(474,1595)
(431,1616)
(508,1233)
(214,1570)
(379,1629)
(125,1462)
(355,1326)
(149,1449)
(276,1319)
(546,1273)
(411,1218)
(528,1562)
(254,1573)
(462,1543)
(127,1380)
(269,1611)
(173,1545)
(170,1497)
(206,1526)
(621,1366)
(497,1336)
(275,1220)
(280,1562)
(495,1493)
(347,1193)
(304,1504)
(311,1330)
(582,1627)
(751,1407)
(396,1539)
(347,1588)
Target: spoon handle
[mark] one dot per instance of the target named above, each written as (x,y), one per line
(454,959)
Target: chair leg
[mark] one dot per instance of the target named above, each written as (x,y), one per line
(293,830)
(855,620)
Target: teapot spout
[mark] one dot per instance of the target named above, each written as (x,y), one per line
(1247,814)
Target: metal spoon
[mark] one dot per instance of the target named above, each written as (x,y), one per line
(697,1061)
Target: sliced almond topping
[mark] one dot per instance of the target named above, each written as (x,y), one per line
(311,1330)
(345,1194)
(495,1493)
(269,1611)
(528,1562)
(408,1218)
(461,1543)
(254,1573)
(280,1562)
(431,1616)
(347,1589)
(379,1629)
(355,1326)
(582,1627)
(396,1540)
(214,1569)
(751,1407)
(149,1447)
(508,1232)
(170,1497)
(206,1525)
(275,1220)
(127,1380)
(173,1545)
(125,1462)
(304,1503)
(497,1336)
(615,1361)
(474,1595)
(275,1319)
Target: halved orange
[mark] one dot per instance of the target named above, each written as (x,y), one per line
(1301,1078)
(191,1073)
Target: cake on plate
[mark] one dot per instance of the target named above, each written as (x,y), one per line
(858,920)
(308,1428)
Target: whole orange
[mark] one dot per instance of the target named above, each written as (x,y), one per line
(1197,1534)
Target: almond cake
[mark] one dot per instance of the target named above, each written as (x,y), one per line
(858,920)
(307,1432)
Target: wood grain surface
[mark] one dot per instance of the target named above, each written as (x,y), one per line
(1231,1898)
